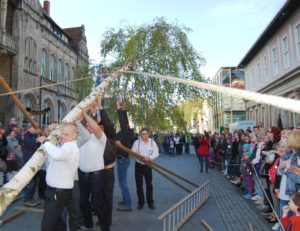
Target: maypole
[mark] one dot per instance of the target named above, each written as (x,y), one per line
(10,190)
(276,101)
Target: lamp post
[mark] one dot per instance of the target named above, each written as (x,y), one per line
(58,98)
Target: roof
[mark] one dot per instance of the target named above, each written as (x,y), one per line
(75,33)
(280,18)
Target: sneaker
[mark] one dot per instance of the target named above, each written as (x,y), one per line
(261,207)
(236,182)
(255,198)
(31,203)
(123,208)
(276,226)
(83,227)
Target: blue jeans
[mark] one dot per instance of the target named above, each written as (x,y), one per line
(122,166)
(205,158)
(30,189)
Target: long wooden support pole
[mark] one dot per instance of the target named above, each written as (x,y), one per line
(154,166)
(18,103)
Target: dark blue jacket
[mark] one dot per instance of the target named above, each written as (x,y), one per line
(29,146)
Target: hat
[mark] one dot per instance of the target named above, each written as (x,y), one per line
(246,146)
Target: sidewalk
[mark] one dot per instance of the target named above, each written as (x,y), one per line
(225,210)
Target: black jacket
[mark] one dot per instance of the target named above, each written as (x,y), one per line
(125,135)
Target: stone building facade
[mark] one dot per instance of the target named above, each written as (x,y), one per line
(272,66)
(35,51)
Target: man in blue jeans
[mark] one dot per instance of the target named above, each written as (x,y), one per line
(125,135)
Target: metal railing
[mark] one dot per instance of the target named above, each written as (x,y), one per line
(179,213)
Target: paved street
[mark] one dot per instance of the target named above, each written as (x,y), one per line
(225,210)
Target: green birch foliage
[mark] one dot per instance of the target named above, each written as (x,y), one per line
(159,48)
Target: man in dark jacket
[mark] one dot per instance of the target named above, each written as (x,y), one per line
(125,135)
(29,147)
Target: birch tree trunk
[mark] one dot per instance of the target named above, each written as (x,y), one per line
(10,190)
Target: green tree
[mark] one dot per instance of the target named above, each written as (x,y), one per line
(159,47)
(83,87)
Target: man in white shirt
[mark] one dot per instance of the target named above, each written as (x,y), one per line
(91,173)
(62,167)
(147,148)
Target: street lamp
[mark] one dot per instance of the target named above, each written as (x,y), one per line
(58,98)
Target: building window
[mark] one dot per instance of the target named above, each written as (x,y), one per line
(258,75)
(52,67)
(44,63)
(59,71)
(67,73)
(298,40)
(274,61)
(30,55)
(285,52)
(253,79)
(266,69)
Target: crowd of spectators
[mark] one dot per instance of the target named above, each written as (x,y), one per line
(265,165)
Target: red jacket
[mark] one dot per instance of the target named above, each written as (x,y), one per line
(293,220)
(203,149)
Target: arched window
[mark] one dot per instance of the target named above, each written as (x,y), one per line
(44,63)
(67,73)
(59,71)
(48,116)
(30,55)
(52,67)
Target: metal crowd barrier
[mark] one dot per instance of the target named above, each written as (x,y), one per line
(179,213)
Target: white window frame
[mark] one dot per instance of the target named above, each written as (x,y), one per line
(258,74)
(285,52)
(274,58)
(52,67)
(297,40)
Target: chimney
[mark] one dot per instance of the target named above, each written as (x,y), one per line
(47,7)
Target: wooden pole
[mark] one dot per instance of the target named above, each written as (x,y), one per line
(206,225)
(18,103)
(151,165)
(12,216)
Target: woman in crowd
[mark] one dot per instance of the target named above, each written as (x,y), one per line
(203,151)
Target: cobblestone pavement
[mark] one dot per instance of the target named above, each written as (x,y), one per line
(225,210)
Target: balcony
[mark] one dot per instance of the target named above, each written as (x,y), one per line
(8,44)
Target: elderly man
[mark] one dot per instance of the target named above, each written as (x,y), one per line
(62,167)
(147,148)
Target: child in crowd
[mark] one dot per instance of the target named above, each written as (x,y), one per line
(292,223)
(247,174)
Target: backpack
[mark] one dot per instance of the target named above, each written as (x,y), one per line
(273,170)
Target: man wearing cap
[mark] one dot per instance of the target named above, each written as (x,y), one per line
(29,147)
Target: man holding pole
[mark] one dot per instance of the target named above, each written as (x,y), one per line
(147,148)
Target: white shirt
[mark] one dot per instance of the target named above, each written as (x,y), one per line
(91,154)
(258,152)
(149,149)
(62,164)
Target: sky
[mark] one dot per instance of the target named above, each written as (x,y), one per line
(222,30)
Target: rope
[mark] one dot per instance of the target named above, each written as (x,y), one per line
(44,86)
(273,209)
